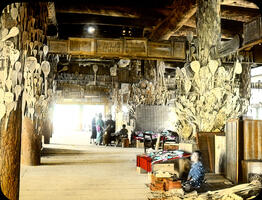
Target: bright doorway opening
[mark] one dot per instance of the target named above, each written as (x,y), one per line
(72,123)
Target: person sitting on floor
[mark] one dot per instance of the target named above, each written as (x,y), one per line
(123,133)
(196,174)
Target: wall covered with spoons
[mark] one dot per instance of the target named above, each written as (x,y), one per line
(207,97)
(24,88)
(24,65)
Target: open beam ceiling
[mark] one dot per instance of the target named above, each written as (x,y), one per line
(163,19)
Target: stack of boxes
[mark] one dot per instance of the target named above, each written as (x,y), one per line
(164,177)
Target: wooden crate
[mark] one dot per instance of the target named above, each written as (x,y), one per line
(171,146)
(139,144)
(234,149)
(220,154)
(252,139)
(187,147)
(165,167)
(206,144)
(125,142)
(249,167)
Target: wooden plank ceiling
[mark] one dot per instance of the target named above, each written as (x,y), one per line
(153,19)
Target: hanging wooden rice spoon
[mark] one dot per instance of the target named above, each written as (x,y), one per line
(22,15)
(17,66)
(14,56)
(25,18)
(18,90)
(20,77)
(45,66)
(12,33)
(9,97)
(187,85)
(17,5)
(3,76)
(4,32)
(45,51)
(31,45)
(14,78)
(2,111)
(95,69)
(238,67)
(8,84)
(2,95)
(179,72)
(38,68)
(9,108)
(24,37)
(33,22)
(34,52)
(195,66)
(30,63)
(14,13)
(35,44)
(40,55)
(212,65)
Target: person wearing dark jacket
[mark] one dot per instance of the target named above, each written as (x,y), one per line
(110,128)
(93,135)
(123,133)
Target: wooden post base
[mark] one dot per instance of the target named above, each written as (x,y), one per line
(31,144)
(10,154)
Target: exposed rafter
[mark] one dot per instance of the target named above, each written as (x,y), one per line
(114,11)
(239,3)
(183,10)
(238,13)
(229,28)
(185,30)
(73,18)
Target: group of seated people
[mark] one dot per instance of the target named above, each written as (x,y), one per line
(104,133)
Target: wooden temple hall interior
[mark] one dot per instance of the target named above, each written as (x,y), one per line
(131,100)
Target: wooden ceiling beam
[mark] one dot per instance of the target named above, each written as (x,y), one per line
(238,13)
(229,28)
(73,18)
(103,31)
(114,11)
(185,30)
(239,3)
(183,10)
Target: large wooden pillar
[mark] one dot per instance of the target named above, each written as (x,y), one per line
(31,143)
(208,29)
(10,153)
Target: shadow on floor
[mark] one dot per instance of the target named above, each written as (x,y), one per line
(48,151)
(84,162)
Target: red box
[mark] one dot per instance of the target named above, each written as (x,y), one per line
(144,162)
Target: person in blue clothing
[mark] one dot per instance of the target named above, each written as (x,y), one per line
(99,129)
(196,174)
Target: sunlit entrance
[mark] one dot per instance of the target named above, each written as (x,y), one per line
(72,123)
